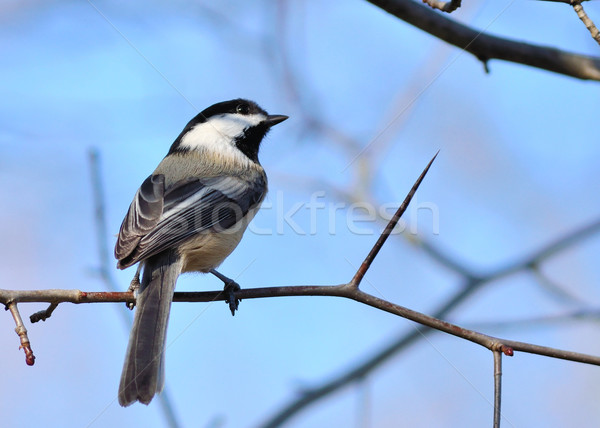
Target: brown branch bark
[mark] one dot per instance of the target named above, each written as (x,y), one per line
(347,290)
(589,24)
(486,47)
(497,388)
(21,332)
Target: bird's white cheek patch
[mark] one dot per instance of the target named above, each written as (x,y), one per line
(233,125)
(219,131)
(203,135)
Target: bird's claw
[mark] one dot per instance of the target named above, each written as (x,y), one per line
(230,288)
(134,286)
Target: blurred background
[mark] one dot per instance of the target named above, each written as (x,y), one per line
(371,100)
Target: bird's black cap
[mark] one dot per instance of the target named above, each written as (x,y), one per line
(249,142)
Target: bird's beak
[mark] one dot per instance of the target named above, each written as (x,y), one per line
(274,119)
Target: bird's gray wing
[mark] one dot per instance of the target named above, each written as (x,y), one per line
(142,217)
(193,206)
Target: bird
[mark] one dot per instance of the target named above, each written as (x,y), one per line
(188,216)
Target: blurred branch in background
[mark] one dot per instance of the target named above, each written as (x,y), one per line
(585,314)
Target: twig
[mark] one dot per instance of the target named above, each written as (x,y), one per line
(486,47)
(44,314)
(64,296)
(21,332)
(589,24)
(497,387)
(444,6)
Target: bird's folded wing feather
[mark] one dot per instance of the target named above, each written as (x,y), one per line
(143,215)
(186,208)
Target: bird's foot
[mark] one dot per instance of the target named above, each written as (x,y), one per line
(134,287)
(230,288)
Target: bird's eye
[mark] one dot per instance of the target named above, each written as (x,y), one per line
(242,109)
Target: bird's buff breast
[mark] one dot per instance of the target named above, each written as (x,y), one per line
(207,251)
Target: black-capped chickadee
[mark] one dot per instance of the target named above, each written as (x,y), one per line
(189,215)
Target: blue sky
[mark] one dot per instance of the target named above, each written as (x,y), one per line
(518,167)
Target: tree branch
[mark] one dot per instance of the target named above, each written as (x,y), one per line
(486,47)
(589,24)
(21,331)
(471,285)
(497,388)
(349,290)
(346,290)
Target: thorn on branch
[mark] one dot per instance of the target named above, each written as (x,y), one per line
(43,315)
(22,333)
(485,61)
(364,267)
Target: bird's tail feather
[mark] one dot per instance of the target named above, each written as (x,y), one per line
(143,370)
